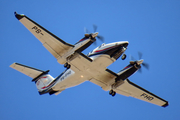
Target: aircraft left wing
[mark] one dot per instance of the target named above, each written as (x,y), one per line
(138,92)
(56,46)
(127,88)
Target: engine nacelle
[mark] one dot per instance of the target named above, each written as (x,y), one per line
(44,82)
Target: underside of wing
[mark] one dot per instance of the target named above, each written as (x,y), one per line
(29,71)
(138,92)
(80,62)
(104,79)
(56,46)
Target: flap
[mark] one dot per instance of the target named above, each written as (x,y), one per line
(104,78)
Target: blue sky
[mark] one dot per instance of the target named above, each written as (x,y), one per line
(150,26)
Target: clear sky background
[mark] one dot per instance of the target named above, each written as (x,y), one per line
(150,26)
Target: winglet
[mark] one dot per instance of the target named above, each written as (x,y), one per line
(18,16)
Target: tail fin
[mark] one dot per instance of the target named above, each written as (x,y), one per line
(42,79)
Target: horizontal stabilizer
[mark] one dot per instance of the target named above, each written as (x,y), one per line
(29,71)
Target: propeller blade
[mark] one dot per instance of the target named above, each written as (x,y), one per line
(101,38)
(95,43)
(86,30)
(140,70)
(146,65)
(132,58)
(140,55)
(95,27)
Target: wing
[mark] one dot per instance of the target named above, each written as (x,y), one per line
(52,43)
(138,92)
(104,79)
(29,71)
(80,62)
(127,88)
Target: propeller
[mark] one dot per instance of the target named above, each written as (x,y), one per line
(140,61)
(101,38)
(95,27)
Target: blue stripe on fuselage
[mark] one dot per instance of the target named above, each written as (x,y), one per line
(103,51)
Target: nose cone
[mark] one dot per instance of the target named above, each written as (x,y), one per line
(95,34)
(123,43)
(140,62)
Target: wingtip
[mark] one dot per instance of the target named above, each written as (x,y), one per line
(12,65)
(18,16)
(166,104)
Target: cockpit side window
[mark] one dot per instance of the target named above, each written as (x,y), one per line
(101,45)
(96,48)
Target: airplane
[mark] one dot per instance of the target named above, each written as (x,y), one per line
(81,67)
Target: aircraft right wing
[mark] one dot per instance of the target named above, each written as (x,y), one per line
(138,92)
(56,46)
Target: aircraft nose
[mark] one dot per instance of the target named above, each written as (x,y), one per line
(124,43)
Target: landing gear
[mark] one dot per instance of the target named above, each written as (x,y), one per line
(123,57)
(113,93)
(66,65)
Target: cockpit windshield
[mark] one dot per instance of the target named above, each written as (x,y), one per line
(96,48)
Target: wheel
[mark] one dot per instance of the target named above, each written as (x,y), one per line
(114,93)
(123,57)
(66,65)
(111,92)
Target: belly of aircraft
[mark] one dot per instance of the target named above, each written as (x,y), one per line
(85,73)
(71,81)
(102,61)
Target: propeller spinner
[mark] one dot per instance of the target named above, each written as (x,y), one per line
(139,62)
(93,35)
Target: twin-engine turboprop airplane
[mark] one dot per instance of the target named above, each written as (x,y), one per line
(80,67)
